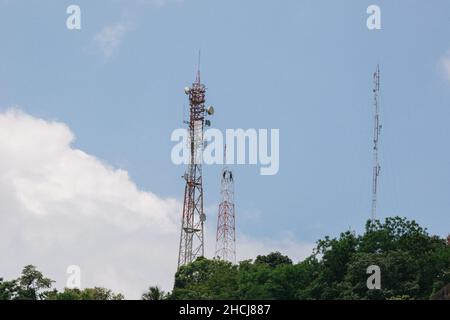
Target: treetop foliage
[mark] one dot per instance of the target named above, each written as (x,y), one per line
(413,264)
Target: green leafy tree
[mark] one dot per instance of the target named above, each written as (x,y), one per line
(8,289)
(67,294)
(273,260)
(413,264)
(95,293)
(98,293)
(32,285)
(253,280)
(331,258)
(154,293)
(206,279)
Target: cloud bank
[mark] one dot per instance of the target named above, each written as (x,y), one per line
(60,206)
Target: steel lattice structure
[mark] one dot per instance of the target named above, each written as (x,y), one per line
(226,221)
(193,218)
(376,136)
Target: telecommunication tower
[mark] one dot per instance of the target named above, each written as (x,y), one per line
(376,136)
(226,223)
(193,218)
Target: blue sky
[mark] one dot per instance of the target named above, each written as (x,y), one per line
(301,66)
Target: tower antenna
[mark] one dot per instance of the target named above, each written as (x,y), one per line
(376,136)
(193,217)
(226,221)
(198,65)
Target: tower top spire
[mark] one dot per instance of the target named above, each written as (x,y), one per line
(225,155)
(198,66)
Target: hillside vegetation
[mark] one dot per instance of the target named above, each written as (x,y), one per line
(413,265)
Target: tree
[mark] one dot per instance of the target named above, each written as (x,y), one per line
(253,280)
(98,293)
(413,264)
(154,293)
(273,259)
(32,285)
(329,265)
(206,279)
(399,276)
(67,294)
(95,293)
(8,289)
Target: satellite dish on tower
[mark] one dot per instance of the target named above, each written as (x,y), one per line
(210,110)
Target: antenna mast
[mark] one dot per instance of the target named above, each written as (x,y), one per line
(226,226)
(376,135)
(193,218)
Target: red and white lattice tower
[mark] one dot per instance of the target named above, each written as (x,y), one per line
(193,218)
(226,223)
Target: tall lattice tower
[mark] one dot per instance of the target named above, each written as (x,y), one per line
(226,223)
(376,136)
(193,218)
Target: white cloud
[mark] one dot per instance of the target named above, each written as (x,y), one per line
(445,64)
(60,206)
(109,38)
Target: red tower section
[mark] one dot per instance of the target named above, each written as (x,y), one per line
(193,218)
(226,221)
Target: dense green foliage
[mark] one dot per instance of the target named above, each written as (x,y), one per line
(96,293)
(414,265)
(154,293)
(32,285)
